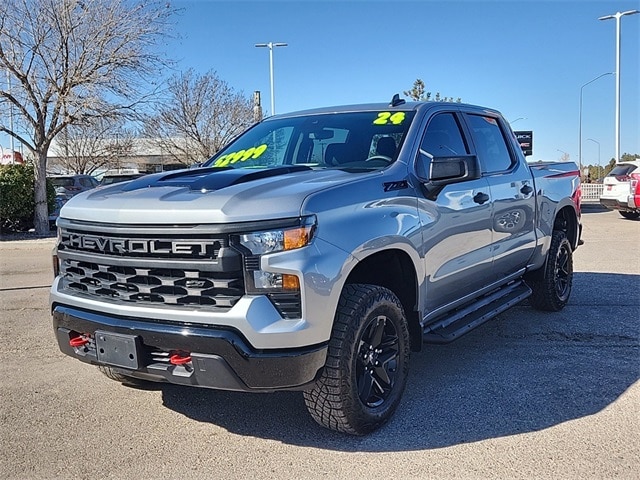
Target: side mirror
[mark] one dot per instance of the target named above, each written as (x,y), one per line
(437,172)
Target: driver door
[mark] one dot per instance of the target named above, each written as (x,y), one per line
(456,224)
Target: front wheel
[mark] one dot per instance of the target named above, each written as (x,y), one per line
(552,286)
(367,363)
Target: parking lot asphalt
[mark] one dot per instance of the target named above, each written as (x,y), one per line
(528,395)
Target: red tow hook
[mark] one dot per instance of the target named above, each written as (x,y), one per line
(178,359)
(79,341)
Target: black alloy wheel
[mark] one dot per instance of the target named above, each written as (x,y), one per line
(377,362)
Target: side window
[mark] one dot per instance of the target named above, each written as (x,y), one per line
(491,146)
(443,137)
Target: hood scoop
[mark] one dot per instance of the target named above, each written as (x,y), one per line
(208,179)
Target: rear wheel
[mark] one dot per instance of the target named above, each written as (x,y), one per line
(552,286)
(367,364)
(630,215)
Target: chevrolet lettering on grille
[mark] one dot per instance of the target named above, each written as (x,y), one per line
(123,246)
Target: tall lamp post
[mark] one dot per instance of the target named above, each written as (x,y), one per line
(580,121)
(618,16)
(271,46)
(597,143)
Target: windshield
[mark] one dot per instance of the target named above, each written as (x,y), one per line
(355,140)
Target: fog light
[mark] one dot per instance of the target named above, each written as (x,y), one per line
(274,281)
(267,280)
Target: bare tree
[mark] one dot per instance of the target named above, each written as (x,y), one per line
(198,116)
(91,146)
(70,60)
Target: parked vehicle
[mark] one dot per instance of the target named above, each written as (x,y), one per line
(60,200)
(634,194)
(314,253)
(109,179)
(72,184)
(620,190)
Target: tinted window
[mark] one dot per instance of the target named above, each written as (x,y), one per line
(443,137)
(621,170)
(343,140)
(491,146)
(62,182)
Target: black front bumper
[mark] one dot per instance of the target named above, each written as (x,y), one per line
(221,358)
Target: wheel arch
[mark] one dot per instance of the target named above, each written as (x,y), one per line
(567,221)
(393,269)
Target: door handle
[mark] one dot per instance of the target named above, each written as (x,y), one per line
(526,190)
(481,198)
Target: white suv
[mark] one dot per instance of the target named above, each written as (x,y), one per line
(617,186)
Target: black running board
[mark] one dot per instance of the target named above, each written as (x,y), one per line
(461,321)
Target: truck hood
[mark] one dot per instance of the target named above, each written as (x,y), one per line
(206,195)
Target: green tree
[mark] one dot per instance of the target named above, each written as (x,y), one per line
(17,204)
(418,94)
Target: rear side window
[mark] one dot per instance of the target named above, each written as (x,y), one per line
(490,143)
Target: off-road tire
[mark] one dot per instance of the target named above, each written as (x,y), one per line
(552,286)
(367,362)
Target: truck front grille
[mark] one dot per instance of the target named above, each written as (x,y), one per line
(159,266)
(169,286)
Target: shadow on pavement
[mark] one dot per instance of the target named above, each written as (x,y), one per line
(521,372)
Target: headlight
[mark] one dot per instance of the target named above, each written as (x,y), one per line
(272,241)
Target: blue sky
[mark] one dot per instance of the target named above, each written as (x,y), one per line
(528,59)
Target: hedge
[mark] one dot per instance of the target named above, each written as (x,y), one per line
(17,204)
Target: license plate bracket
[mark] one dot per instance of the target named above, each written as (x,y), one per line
(118,349)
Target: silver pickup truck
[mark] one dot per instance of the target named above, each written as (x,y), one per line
(314,253)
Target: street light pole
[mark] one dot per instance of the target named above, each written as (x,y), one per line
(270,46)
(565,153)
(597,143)
(618,16)
(580,120)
